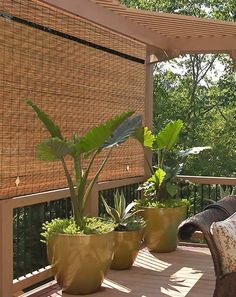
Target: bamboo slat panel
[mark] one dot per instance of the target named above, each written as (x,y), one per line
(79,86)
(41,13)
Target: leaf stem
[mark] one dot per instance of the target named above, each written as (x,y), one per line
(75,207)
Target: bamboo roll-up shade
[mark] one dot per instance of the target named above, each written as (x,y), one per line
(78,73)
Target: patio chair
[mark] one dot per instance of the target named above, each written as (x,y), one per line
(225,282)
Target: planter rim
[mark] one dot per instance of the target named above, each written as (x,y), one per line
(156,207)
(81,234)
(129,231)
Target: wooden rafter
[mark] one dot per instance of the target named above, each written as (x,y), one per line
(106,18)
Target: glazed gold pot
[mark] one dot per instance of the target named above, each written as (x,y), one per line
(161,230)
(79,262)
(127,247)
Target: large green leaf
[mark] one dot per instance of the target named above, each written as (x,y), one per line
(172,171)
(145,136)
(168,136)
(158,177)
(97,136)
(172,189)
(51,126)
(124,131)
(193,151)
(53,149)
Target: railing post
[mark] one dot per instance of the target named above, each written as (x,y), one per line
(6,248)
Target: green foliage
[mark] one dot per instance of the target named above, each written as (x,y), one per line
(107,135)
(168,136)
(132,224)
(150,187)
(147,202)
(64,226)
(53,149)
(98,136)
(69,226)
(123,132)
(145,137)
(53,129)
(124,216)
(211,122)
(227,191)
(162,184)
(158,177)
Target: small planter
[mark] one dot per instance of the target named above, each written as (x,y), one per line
(127,247)
(79,262)
(161,231)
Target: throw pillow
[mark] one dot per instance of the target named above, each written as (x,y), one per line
(224,235)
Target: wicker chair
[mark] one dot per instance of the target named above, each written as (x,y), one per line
(221,210)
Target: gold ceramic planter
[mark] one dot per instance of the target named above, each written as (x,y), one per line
(79,262)
(161,230)
(127,247)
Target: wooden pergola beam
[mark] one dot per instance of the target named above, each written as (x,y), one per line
(204,44)
(160,55)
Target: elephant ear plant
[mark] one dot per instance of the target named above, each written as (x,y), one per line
(103,137)
(162,186)
(163,210)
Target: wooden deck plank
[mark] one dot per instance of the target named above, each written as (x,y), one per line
(187,272)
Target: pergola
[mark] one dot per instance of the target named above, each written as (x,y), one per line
(166,35)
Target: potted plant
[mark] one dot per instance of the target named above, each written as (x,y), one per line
(80,249)
(129,229)
(163,210)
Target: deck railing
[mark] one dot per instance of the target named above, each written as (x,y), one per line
(29,252)
(23,256)
(203,190)
(20,220)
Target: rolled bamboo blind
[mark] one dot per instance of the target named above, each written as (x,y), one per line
(79,73)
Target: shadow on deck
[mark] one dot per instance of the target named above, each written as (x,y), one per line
(187,272)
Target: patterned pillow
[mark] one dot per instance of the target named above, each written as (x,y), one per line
(224,235)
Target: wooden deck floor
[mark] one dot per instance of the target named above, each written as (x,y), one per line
(187,272)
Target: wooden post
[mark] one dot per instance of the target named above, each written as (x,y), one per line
(92,208)
(148,108)
(6,248)
(233,57)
